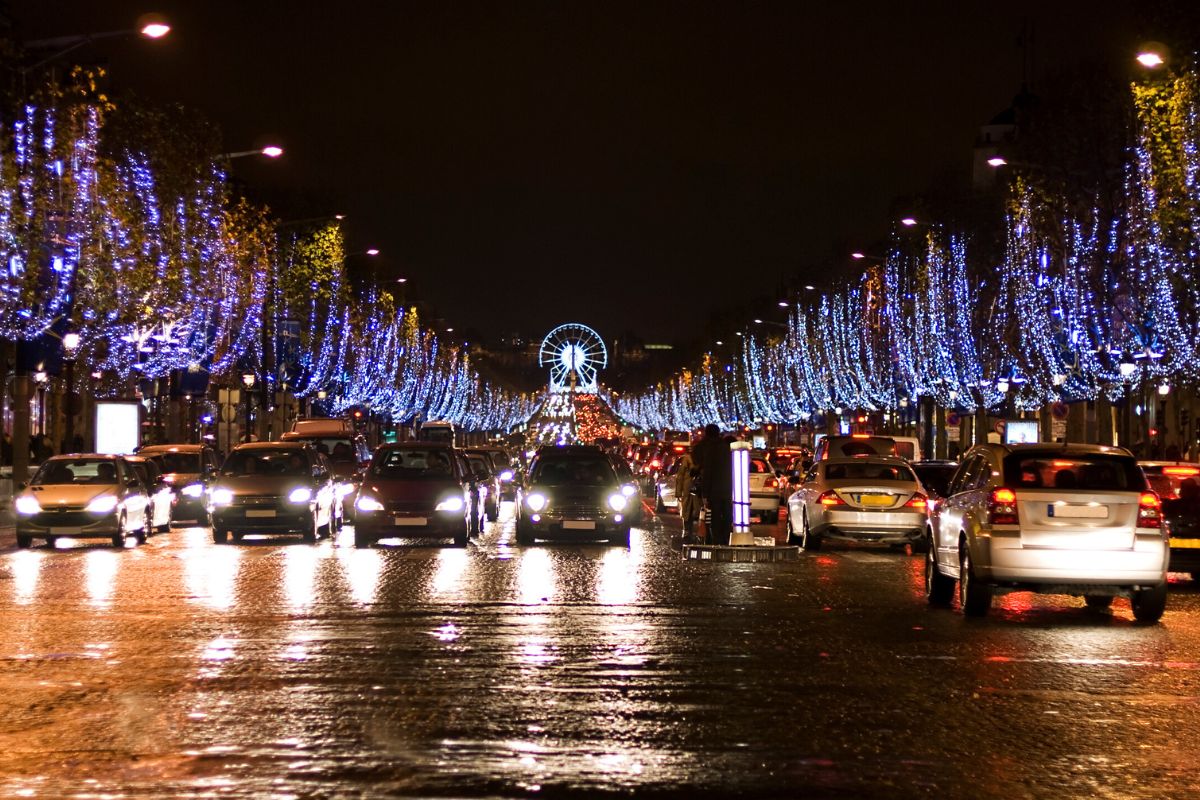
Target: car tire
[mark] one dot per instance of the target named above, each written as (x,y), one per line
(493,513)
(659,506)
(362,540)
(524,534)
(792,538)
(24,541)
(118,538)
(220,536)
(620,538)
(311,535)
(237,536)
(1149,604)
(1098,602)
(974,597)
(143,533)
(939,588)
(809,540)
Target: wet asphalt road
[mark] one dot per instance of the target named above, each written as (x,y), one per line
(278,669)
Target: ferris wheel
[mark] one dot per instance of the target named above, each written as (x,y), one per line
(575,355)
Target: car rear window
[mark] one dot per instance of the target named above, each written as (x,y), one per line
(868,471)
(1085,472)
(574,472)
(413,463)
(862,446)
(1168,480)
(906,450)
(758,466)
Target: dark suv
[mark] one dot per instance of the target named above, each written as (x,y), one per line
(573,493)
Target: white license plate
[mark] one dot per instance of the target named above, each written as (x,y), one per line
(412,522)
(261,513)
(1077,512)
(579,525)
(65,531)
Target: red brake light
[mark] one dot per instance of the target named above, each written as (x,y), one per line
(1149,511)
(830,498)
(1002,507)
(772,483)
(1182,471)
(860,436)
(656,463)
(918,500)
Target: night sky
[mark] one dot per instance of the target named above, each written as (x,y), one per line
(626,165)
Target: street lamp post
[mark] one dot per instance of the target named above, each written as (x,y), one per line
(70,344)
(248,381)
(270,151)
(150,26)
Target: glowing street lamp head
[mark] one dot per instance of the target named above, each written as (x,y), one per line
(997,161)
(908,222)
(152,26)
(858,256)
(1150,59)
(272,151)
(70,342)
(373,251)
(783,303)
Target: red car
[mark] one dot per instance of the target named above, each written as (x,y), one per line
(414,490)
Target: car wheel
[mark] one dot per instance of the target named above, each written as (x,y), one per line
(524,534)
(237,536)
(220,536)
(51,541)
(313,533)
(24,541)
(143,533)
(1149,604)
(792,538)
(620,538)
(494,514)
(974,597)
(939,588)
(659,506)
(1098,602)
(808,539)
(362,540)
(118,538)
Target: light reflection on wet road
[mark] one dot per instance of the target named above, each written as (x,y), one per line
(272,668)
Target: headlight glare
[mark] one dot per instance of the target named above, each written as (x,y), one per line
(507,475)
(536,502)
(301,494)
(28,505)
(193,490)
(344,489)
(617,502)
(222,497)
(103,504)
(629,490)
(451,504)
(368,504)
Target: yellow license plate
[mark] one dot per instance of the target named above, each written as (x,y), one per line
(875,499)
(1185,544)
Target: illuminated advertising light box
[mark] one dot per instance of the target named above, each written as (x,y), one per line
(118,427)
(1021,431)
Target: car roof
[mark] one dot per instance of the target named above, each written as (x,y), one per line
(892,460)
(279,445)
(80,456)
(157,449)
(415,444)
(1061,448)
(935,462)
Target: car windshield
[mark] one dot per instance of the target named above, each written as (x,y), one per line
(579,471)
(176,462)
(414,463)
(866,471)
(863,446)
(340,449)
(77,471)
(1099,472)
(281,462)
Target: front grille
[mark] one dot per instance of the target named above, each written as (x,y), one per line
(76,518)
(584,510)
(410,508)
(256,501)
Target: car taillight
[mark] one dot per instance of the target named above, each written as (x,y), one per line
(1149,511)
(918,500)
(1002,507)
(830,498)
(772,483)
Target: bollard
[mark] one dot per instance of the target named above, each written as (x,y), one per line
(742,536)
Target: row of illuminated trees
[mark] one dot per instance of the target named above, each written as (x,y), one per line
(1088,298)
(124,249)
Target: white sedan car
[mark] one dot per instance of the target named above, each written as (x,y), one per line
(862,499)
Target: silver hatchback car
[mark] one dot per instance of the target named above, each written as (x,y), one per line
(862,499)
(1050,518)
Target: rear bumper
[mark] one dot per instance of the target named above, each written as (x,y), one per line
(764,502)
(1184,558)
(892,527)
(1000,558)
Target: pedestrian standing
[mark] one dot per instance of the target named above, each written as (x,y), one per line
(688,502)
(714,458)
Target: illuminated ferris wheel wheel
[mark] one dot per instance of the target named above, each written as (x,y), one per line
(575,355)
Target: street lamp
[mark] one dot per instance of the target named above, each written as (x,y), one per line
(70,344)
(149,26)
(248,380)
(997,161)
(270,151)
(908,222)
(1152,55)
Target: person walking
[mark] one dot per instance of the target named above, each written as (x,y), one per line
(688,502)
(714,458)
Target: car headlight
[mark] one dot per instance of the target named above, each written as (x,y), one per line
(366,503)
(27,504)
(507,475)
(450,504)
(629,490)
(222,497)
(617,502)
(536,502)
(193,490)
(344,489)
(301,494)
(103,504)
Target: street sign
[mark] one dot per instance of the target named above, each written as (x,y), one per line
(1060,410)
